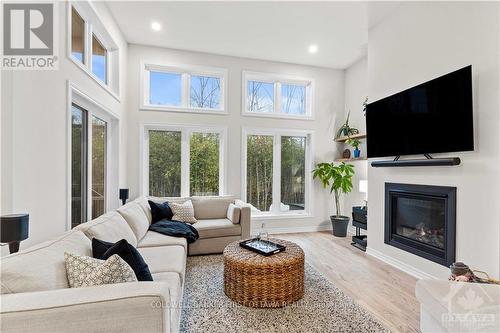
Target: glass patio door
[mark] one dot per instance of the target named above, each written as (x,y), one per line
(89,141)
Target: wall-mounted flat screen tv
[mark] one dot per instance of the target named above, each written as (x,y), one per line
(433,117)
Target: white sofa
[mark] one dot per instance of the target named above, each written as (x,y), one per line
(448,306)
(35,295)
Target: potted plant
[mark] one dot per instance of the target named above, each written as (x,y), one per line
(355,143)
(339,179)
(346,129)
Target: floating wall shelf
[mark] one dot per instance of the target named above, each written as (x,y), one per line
(354,136)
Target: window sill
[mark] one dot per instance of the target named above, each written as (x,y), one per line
(95,78)
(276,115)
(284,216)
(147,107)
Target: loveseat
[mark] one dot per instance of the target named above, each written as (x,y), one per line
(35,295)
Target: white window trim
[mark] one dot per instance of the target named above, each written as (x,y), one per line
(93,108)
(186,71)
(93,25)
(276,133)
(278,80)
(186,130)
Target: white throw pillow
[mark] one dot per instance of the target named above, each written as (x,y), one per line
(83,271)
(183,212)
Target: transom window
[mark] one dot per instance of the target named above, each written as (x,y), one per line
(184,88)
(92,48)
(277,171)
(183,161)
(277,96)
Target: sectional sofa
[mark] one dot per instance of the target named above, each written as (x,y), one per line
(35,295)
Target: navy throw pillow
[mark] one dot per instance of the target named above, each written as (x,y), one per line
(103,250)
(160,211)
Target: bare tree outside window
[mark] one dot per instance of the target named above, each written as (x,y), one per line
(260,96)
(205,92)
(293,99)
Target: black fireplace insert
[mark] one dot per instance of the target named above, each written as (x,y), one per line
(421,219)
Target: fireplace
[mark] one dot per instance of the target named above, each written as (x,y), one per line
(420,219)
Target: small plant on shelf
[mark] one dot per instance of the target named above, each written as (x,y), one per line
(354,143)
(338,178)
(345,129)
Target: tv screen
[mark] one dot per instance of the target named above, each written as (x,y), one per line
(433,117)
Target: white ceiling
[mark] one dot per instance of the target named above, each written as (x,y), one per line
(279,31)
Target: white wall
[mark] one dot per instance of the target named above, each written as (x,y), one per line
(356,90)
(418,42)
(34,134)
(329,101)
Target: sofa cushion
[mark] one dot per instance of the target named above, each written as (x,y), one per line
(84,271)
(41,267)
(160,211)
(183,212)
(136,218)
(152,239)
(217,228)
(233,213)
(165,259)
(211,207)
(110,227)
(103,250)
(169,199)
(143,202)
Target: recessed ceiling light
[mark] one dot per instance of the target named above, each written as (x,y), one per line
(156,26)
(313,48)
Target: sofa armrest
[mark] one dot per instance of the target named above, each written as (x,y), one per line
(123,307)
(245,219)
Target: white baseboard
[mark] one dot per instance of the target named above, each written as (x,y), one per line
(291,230)
(399,264)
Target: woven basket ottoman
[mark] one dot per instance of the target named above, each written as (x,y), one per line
(257,281)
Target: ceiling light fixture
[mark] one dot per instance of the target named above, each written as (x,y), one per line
(156,26)
(313,48)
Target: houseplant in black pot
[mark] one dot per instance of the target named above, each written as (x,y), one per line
(338,178)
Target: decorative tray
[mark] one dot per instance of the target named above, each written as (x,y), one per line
(263,247)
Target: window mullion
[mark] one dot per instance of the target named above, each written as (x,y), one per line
(185,186)
(277,97)
(276,174)
(89,166)
(88,45)
(186,83)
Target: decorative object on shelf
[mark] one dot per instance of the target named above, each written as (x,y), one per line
(365,103)
(460,272)
(346,153)
(355,143)
(339,179)
(124,195)
(345,129)
(14,229)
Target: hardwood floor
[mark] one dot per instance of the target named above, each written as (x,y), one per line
(388,293)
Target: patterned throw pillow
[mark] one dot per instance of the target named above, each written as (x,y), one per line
(85,271)
(183,212)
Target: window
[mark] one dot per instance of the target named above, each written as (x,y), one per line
(184,88)
(183,161)
(85,136)
(99,59)
(99,134)
(92,48)
(271,95)
(77,36)
(277,175)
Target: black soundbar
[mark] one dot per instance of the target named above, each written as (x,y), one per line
(448,161)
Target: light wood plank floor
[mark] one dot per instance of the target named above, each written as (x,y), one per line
(388,293)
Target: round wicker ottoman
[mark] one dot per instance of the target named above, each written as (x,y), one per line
(264,282)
